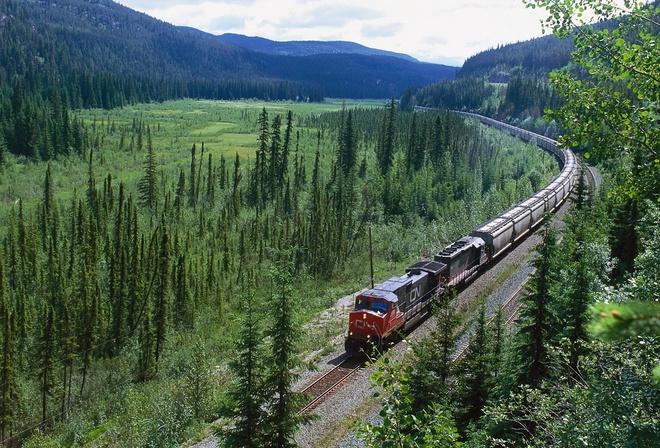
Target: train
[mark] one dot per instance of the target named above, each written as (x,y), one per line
(387,310)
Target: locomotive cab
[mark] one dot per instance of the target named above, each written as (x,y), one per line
(372,321)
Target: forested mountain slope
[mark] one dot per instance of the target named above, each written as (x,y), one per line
(533,57)
(305,48)
(73,39)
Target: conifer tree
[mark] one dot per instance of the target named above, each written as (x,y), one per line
(433,356)
(179,199)
(9,390)
(246,398)
(183,307)
(386,148)
(476,373)
(163,299)
(118,276)
(148,185)
(236,182)
(147,365)
(585,266)
(285,334)
(46,358)
(274,157)
(192,199)
(260,164)
(536,331)
(347,145)
(286,148)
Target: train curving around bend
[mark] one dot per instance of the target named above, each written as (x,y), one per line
(394,306)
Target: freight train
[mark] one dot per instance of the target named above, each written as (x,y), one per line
(391,308)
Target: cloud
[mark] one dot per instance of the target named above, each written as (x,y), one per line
(429,31)
(375,31)
(227,23)
(327,15)
(161,4)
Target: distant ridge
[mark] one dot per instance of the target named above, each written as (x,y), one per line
(306,47)
(103,54)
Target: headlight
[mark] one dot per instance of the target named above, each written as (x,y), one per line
(364,316)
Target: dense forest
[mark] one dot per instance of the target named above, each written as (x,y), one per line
(102,54)
(106,288)
(580,367)
(144,241)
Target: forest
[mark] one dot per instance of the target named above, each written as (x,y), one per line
(126,256)
(98,53)
(145,241)
(580,367)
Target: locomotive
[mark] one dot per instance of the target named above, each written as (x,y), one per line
(392,307)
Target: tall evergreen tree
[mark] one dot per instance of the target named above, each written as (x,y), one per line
(148,185)
(285,333)
(433,356)
(476,373)
(386,142)
(9,389)
(46,358)
(163,298)
(246,412)
(536,331)
(274,157)
(347,151)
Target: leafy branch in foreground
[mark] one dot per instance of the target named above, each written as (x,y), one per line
(401,427)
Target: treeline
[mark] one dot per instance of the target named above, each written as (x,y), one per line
(521,101)
(548,382)
(536,57)
(101,54)
(98,291)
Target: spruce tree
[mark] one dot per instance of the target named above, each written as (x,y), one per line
(433,355)
(245,410)
(285,333)
(475,376)
(148,185)
(163,299)
(386,147)
(274,158)
(9,390)
(535,332)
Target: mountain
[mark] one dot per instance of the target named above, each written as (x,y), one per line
(306,47)
(537,56)
(103,53)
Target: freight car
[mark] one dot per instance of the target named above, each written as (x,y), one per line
(391,308)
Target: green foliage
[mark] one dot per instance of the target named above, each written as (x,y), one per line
(538,315)
(630,320)
(611,106)
(244,413)
(613,403)
(285,333)
(401,426)
(432,361)
(131,288)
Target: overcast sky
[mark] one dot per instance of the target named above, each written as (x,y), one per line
(441,31)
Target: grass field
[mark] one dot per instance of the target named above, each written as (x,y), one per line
(223,127)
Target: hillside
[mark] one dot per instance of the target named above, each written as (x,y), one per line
(83,38)
(305,48)
(537,56)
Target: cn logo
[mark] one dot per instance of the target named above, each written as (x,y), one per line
(362,324)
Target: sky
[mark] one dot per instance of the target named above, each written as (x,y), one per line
(439,31)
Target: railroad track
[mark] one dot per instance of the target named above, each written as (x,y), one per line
(330,381)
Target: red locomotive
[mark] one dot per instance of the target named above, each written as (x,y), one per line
(391,308)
